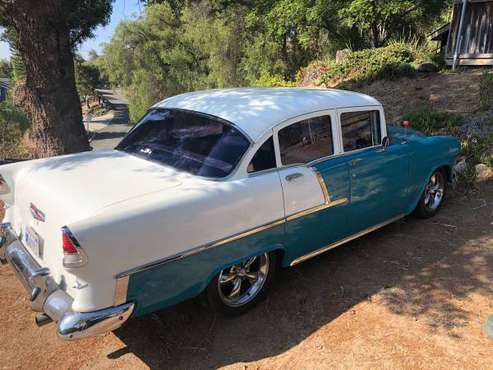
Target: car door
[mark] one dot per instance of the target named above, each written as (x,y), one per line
(315,188)
(378,175)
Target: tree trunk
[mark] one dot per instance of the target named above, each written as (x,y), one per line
(48,95)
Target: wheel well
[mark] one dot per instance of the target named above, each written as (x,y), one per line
(447,171)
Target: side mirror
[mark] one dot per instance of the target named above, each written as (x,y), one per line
(385,142)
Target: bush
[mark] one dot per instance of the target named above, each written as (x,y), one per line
(273,81)
(430,121)
(13,124)
(478,150)
(486,90)
(391,62)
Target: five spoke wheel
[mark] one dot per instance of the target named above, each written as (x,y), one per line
(241,283)
(434,191)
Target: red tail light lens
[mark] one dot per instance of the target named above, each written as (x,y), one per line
(68,245)
(73,254)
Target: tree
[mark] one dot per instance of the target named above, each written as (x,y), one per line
(45,34)
(382,20)
(87,78)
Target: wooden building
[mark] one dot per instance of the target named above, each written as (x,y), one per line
(469,36)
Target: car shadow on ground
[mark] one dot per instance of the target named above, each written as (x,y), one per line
(412,266)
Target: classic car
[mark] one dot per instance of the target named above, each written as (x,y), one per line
(207,196)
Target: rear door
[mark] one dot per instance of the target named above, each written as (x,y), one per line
(379,176)
(315,188)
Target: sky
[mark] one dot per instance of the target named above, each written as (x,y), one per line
(122,10)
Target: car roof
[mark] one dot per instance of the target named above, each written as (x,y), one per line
(256,110)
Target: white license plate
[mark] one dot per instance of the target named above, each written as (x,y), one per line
(32,240)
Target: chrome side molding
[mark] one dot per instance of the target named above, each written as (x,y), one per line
(344,241)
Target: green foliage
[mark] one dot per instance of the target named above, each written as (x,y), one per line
(430,121)
(87,78)
(13,124)
(390,62)
(486,90)
(381,21)
(478,150)
(274,81)
(5,69)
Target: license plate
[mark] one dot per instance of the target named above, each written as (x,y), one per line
(32,240)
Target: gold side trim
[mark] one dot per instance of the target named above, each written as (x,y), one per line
(248,233)
(121,290)
(319,208)
(344,241)
(327,204)
(325,191)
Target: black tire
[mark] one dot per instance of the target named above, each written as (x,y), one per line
(216,298)
(429,204)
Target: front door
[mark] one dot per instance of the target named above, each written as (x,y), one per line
(315,185)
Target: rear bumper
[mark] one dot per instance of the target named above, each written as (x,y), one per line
(48,298)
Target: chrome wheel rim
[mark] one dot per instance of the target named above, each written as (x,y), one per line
(241,283)
(434,191)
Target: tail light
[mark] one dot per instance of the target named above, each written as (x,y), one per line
(4,187)
(73,254)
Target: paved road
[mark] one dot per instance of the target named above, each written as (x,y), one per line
(112,127)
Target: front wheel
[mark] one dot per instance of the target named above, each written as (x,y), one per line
(432,198)
(239,287)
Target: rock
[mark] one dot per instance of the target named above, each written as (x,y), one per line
(342,54)
(460,167)
(426,67)
(483,172)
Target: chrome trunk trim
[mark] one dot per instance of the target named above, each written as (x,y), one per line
(345,240)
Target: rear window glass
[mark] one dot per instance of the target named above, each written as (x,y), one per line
(188,141)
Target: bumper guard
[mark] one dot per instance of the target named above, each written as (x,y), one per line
(48,298)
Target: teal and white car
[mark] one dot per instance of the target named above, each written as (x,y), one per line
(208,195)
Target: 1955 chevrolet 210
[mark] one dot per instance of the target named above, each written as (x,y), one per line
(207,196)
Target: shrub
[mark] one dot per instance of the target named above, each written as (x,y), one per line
(486,90)
(267,80)
(389,62)
(430,121)
(13,124)
(478,150)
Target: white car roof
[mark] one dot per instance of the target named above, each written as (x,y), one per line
(256,110)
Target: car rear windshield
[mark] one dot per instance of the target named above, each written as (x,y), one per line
(188,141)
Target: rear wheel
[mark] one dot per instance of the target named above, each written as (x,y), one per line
(432,198)
(239,287)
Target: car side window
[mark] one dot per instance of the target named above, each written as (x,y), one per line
(264,158)
(360,130)
(307,140)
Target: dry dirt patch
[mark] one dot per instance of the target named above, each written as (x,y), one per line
(415,294)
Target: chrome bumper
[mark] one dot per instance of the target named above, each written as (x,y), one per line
(47,297)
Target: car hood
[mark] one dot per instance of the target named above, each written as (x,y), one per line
(90,181)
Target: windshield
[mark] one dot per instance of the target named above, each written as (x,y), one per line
(188,141)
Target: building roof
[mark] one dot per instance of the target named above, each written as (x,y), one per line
(256,110)
(4,83)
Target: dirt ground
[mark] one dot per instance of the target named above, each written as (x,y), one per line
(447,91)
(415,294)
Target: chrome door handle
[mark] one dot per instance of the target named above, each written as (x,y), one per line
(293,176)
(354,162)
